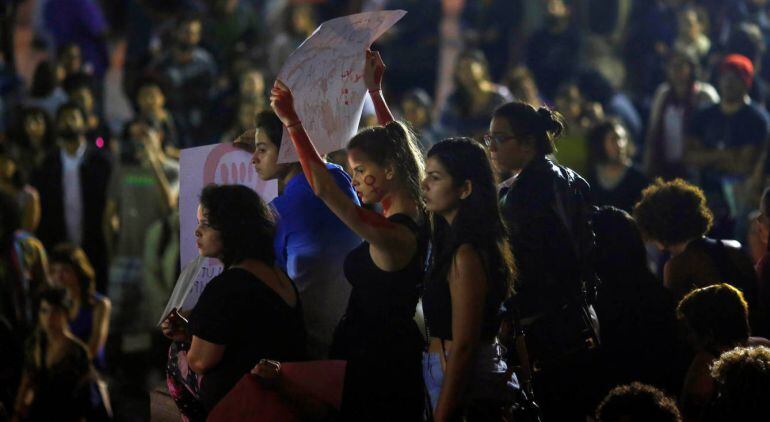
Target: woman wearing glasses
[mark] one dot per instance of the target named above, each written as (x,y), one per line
(546,209)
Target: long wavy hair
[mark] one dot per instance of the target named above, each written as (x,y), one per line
(478,221)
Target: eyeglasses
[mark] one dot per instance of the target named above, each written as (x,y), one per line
(491,138)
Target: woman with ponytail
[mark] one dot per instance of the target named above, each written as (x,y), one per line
(470,275)
(377,336)
(546,208)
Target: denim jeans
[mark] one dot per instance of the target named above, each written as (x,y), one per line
(486,383)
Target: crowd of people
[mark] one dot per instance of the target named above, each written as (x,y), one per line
(565,215)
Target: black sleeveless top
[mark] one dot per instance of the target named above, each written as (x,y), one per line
(437,309)
(382,303)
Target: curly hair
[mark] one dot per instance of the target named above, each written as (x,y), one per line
(673,212)
(743,378)
(245,224)
(637,402)
(719,312)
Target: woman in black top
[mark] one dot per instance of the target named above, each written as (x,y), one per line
(470,275)
(248,312)
(377,335)
(57,369)
(613,178)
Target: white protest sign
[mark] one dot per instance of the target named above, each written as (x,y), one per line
(325,75)
(220,164)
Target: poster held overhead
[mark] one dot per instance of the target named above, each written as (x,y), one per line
(325,75)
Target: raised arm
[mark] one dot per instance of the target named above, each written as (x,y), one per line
(373,71)
(373,227)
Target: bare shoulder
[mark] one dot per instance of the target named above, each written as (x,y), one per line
(102,304)
(466,262)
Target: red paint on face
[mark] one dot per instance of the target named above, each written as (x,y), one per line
(370,181)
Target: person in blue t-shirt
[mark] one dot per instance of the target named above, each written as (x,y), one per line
(311,242)
(725,141)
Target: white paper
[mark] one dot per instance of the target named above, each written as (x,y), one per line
(325,75)
(199,167)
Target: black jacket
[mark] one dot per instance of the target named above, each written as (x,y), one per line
(95,171)
(547,211)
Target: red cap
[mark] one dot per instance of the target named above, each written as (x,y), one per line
(741,65)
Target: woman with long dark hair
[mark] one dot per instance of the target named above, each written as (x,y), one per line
(377,335)
(475,96)
(89,317)
(470,275)
(614,180)
(33,137)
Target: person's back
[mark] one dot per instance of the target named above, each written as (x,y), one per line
(636,313)
(542,231)
(311,244)
(708,261)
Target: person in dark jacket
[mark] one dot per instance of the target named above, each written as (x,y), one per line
(546,208)
(72,182)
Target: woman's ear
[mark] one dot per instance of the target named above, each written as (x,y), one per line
(466,189)
(390,171)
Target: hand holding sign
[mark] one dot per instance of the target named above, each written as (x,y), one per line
(373,71)
(325,75)
(282,103)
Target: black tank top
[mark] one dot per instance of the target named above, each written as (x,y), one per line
(384,297)
(437,309)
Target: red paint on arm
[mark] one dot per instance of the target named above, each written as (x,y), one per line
(384,116)
(306,152)
(374,219)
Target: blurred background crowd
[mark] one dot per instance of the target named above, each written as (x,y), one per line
(102,95)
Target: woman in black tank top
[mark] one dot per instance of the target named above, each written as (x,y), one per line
(377,336)
(470,275)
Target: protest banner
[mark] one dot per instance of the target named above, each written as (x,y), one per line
(325,75)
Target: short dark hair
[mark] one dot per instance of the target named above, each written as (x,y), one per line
(543,125)
(271,124)
(77,81)
(743,382)
(245,224)
(69,105)
(673,212)
(44,80)
(637,402)
(419,96)
(620,250)
(719,312)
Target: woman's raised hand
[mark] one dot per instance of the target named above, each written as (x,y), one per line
(373,70)
(282,103)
